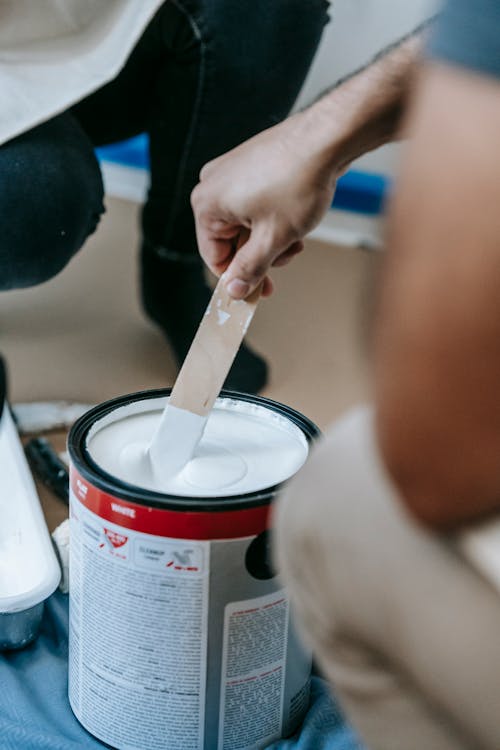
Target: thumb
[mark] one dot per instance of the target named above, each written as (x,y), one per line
(251,263)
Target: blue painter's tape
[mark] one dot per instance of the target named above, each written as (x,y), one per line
(133,152)
(360,192)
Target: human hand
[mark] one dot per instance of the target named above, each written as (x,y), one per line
(275,187)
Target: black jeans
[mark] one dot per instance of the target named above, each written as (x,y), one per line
(205,75)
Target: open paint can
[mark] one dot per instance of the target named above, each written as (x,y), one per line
(180,631)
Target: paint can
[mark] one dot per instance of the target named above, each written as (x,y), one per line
(180,631)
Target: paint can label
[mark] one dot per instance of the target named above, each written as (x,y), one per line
(253,672)
(147,665)
(163,655)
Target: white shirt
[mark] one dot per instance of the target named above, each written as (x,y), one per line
(55,52)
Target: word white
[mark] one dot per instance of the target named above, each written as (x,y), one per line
(130,512)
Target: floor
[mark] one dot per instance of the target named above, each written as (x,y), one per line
(82,336)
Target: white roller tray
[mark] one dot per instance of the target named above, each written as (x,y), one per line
(29,570)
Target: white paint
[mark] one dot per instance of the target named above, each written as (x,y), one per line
(247,322)
(60,537)
(39,416)
(173,444)
(214,467)
(222,316)
(245,447)
(29,571)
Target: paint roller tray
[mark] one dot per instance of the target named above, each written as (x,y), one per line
(29,570)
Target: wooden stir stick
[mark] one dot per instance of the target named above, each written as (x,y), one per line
(213,350)
(200,380)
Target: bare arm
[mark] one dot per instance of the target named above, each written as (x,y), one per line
(280,183)
(365,110)
(437,352)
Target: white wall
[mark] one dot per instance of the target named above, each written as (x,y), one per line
(357,31)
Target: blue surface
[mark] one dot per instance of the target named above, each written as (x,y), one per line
(35,713)
(131,153)
(360,192)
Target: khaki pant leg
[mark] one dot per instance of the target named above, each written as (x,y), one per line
(406,632)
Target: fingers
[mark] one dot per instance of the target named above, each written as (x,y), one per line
(216,234)
(217,252)
(267,287)
(245,257)
(221,227)
(288,255)
(267,284)
(251,262)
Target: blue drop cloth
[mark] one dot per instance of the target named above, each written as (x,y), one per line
(35,713)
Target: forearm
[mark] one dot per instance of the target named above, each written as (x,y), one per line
(364,111)
(437,337)
(279,184)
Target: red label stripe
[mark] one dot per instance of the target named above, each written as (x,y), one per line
(230,524)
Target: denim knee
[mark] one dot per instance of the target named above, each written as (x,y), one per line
(256,55)
(239,67)
(51,199)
